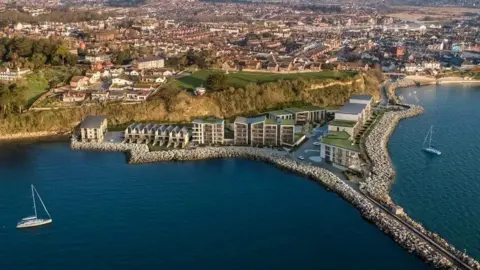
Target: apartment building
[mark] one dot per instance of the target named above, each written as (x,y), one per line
(300,115)
(262,131)
(157,134)
(208,131)
(338,146)
(240,129)
(93,128)
(151,62)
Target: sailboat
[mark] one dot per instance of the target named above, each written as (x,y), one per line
(428,148)
(34,221)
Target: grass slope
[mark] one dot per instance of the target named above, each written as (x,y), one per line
(242,78)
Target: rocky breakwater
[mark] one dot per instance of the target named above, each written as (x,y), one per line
(401,234)
(392,87)
(382,175)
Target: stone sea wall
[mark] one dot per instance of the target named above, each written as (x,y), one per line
(402,235)
(382,175)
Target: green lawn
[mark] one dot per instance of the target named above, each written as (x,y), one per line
(37,85)
(242,78)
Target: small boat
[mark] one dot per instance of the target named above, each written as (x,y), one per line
(429,148)
(34,221)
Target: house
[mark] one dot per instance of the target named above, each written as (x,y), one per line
(339,150)
(241,131)
(137,95)
(93,58)
(300,115)
(79,82)
(158,134)
(199,91)
(150,62)
(95,77)
(93,128)
(208,131)
(100,95)
(116,95)
(73,96)
(122,81)
(13,75)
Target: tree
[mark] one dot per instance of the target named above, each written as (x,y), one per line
(217,82)
(38,60)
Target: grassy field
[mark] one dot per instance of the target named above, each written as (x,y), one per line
(36,85)
(242,78)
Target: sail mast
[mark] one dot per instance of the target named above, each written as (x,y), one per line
(34,206)
(431,134)
(40,198)
(425,140)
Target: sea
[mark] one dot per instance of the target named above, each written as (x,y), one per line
(442,192)
(236,213)
(217,214)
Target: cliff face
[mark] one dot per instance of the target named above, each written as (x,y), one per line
(179,106)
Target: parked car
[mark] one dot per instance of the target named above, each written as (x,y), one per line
(301,157)
(316,143)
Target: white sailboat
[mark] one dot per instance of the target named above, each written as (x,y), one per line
(34,221)
(428,148)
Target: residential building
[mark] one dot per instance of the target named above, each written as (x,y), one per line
(79,82)
(339,150)
(263,131)
(240,129)
(12,75)
(151,62)
(300,115)
(73,96)
(208,131)
(339,146)
(93,128)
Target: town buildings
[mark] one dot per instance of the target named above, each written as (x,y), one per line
(208,131)
(93,128)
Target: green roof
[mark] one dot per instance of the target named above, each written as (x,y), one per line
(270,122)
(295,110)
(313,108)
(209,121)
(279,112)
(342,123)
(340,139)
(289,122)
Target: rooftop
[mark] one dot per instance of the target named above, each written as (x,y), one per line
(279,112)
(352,108)
(241,120)
(258,119)
(340,139)
(342,123)
(289,122)
(361,97)
(208,121)
(92,121)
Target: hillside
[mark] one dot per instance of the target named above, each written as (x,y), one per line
(174,105)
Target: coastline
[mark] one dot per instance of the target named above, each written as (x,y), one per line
(37,136)
(408,239)
(379,183)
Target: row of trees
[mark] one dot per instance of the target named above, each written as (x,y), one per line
(12,98)
(58,15)
(22,52)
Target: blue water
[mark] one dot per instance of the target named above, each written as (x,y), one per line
(442,192)
(221,214)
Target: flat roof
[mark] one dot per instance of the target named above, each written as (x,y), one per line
(241,120)
(342,123)
(208,121)
(279,112)
(270,121)
(295,110)
(92,121)
(258,119)
(352,108)
(340,139)
(313,108)
(361,97)
(288,122)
